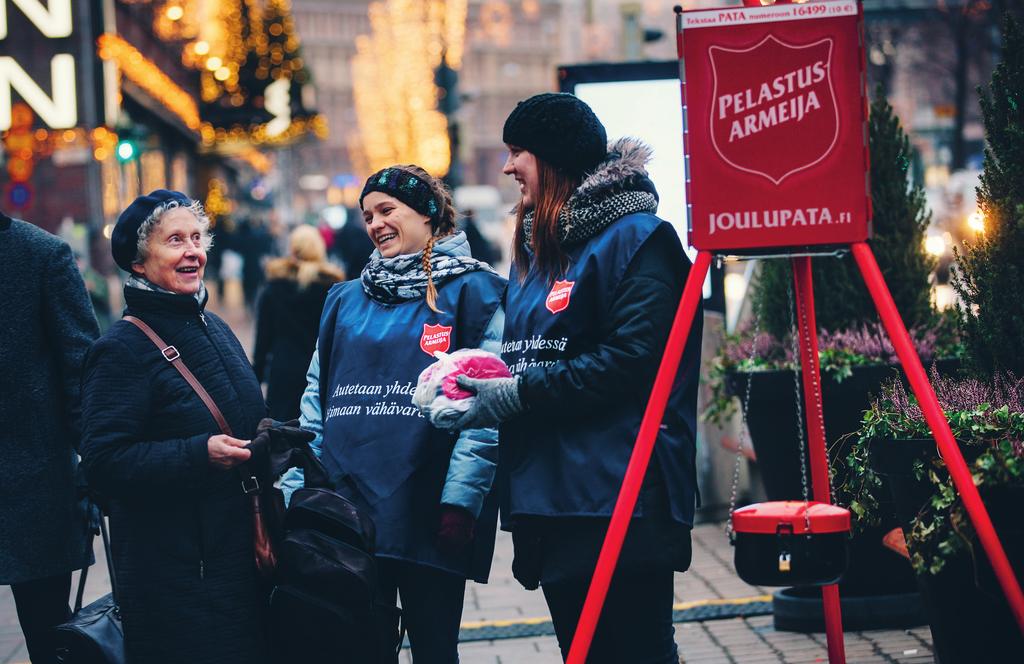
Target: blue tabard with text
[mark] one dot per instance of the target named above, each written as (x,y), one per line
(378,447)
(566,463)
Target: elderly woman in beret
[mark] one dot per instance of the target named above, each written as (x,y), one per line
(182,532)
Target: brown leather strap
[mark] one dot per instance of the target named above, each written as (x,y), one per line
(172,355)
(263,548)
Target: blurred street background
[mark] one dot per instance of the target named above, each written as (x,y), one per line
(273,113)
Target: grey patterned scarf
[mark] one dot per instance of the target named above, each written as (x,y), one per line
(619,186)
(141,283)
(402,278)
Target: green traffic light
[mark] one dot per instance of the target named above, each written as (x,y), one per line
(125,150)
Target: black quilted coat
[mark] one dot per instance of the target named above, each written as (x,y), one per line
(181,529)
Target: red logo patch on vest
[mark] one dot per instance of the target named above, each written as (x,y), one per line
(435,337)
(558,298)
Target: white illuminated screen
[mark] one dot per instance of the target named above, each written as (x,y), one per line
(651,111)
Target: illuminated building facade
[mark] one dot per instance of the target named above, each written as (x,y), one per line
(103,99)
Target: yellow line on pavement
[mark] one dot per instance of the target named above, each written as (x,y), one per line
(681,606)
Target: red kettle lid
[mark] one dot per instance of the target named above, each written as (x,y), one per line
(765,518)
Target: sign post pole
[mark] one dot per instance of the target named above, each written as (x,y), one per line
(811,373)
(638,460)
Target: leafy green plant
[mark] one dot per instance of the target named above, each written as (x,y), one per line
(986,418)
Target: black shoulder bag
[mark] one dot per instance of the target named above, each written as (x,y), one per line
(93,635)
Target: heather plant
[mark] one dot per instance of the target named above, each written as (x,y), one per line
(987,419)
(990,269)
(839,352)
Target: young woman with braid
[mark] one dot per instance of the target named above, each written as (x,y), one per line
(427,490)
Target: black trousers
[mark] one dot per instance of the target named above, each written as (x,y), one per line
(635,624)
(42,604)
(431,607)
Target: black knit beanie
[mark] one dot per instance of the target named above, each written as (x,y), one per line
(406,187)
(560,129)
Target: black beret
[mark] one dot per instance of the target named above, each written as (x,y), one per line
(560,129)
(124,241)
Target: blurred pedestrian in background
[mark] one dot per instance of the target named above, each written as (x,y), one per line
(215,257)
(288,319)
(99,292)
(181,527)
(425,489)
(47,326)
(596,278)
(480,247)
(351,245)
(254,243)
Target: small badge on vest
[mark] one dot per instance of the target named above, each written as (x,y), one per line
(435,337)
(558,298)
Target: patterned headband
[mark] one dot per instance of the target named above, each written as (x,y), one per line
(407,187)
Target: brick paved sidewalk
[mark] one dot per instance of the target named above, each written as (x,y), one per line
(729,641)
(711,576)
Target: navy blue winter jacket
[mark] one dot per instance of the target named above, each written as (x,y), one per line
(182,530)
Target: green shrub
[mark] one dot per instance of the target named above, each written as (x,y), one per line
(990,270)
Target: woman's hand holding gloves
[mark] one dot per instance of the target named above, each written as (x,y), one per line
(456,529)
(497,399)
(226,452)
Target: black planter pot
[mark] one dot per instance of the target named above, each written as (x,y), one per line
(969,617)
(881,581)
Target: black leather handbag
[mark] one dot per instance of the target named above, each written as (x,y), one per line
(93,635)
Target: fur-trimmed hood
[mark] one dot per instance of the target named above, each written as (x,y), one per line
(624,169)
(304,273)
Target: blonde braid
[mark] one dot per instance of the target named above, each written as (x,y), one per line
(431,290)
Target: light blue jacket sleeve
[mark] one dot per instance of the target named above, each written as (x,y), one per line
(475,457)
(311,420)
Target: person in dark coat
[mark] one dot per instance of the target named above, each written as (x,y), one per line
(254,242)
(181,527)
(480,247)
(595,283)
(351,244)
(288,317)
(47,326)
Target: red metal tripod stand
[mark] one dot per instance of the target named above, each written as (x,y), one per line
(819,459)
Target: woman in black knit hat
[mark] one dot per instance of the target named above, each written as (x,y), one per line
(595,282)
(427,490)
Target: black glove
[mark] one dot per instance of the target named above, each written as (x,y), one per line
(277,447)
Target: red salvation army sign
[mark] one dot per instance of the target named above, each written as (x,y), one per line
(775,126)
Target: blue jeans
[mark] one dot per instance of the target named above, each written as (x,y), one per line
(431,607)
(635,624)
